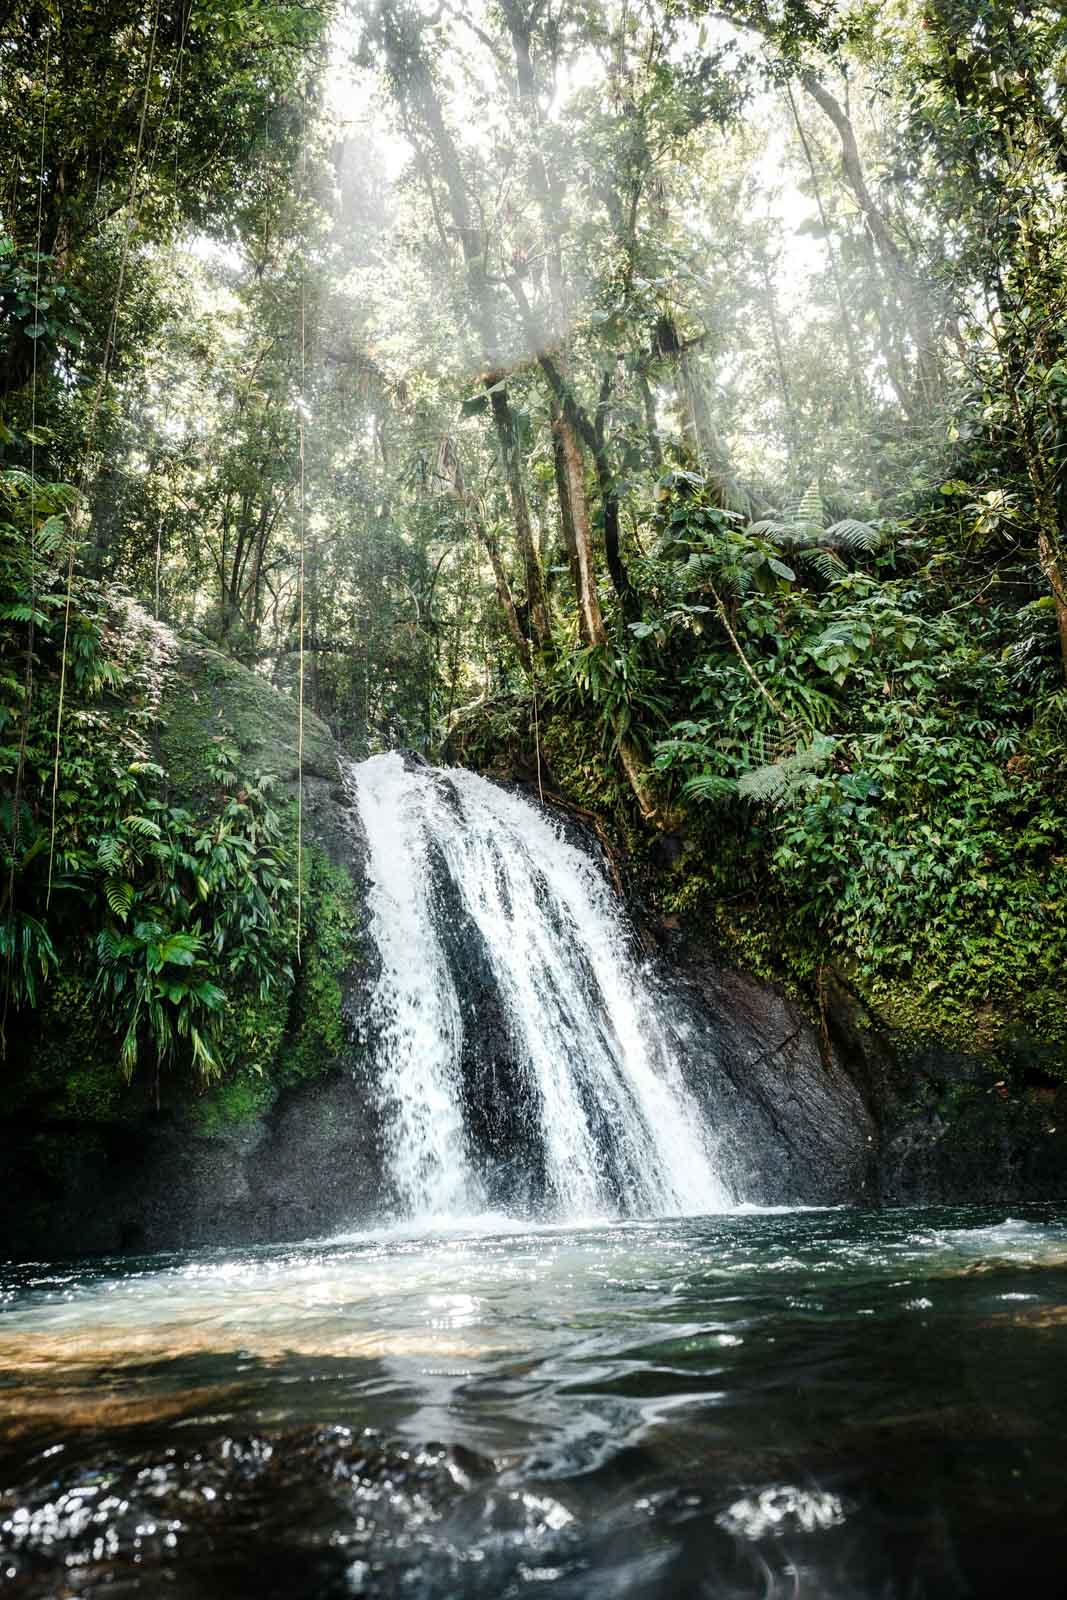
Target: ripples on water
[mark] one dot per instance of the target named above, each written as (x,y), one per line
(822,1404)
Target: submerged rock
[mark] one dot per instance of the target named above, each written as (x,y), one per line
(335,1510)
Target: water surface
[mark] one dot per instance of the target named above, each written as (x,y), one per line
(805,1403)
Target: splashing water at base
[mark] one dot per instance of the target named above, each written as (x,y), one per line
(520,1048)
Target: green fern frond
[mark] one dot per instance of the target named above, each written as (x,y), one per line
(22,611)
(802,530)
(119,897)
(709,786)
(51,536)
(779,781)
(109,853)
(771,528)
(827,563)
(763,785)
(809,512)
(144,826)
(851,534)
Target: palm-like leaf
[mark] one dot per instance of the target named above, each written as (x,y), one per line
(779,781)
(801,529)
(851,534)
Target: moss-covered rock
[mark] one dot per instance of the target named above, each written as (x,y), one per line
(960,1072)
(90,1152)
(209,700)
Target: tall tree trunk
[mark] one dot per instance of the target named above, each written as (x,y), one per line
(697,424)
(505,596)
(1049,488)
(609,502)
(563,494)
(771,302)
(1052,566)
(576,517)
(416,89)
(521,21)
(574,511)
(648,404)
(831,256)
(504,420)
(897,267)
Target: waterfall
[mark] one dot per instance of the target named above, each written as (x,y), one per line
(520,1053)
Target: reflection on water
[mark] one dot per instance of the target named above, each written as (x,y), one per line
(808,1403)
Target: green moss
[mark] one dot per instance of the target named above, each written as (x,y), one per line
(297,1031)
(218,728)
(247,1095)
(210,699)
(72,1068)
(318,1035)
(1018,1029)
(255,1026)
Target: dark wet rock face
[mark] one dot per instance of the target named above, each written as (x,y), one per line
(501,1119)
(822,1109)
(308,1167)
(842,1111)
(986,1140)
(278,1149)
(792,1122)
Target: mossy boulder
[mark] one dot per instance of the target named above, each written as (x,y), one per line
(889,1088)
(209,698)
(95,1161)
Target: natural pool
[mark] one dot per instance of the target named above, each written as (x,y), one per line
(803,1403)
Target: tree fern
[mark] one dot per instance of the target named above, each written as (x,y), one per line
(851,534)
(802,529)
(809,510)
(781,781)
(709,786)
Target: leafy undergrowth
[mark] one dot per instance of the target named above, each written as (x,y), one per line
(852,767)
(145,929)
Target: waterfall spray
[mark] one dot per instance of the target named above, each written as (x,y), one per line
(521,1055)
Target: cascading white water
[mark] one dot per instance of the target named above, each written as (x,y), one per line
(454,859)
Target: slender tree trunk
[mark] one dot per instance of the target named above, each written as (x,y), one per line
(577,515)
(505,596)
(702,431)
(648,403)
(521,22)
(609,501)
(831,256)
(1053,568)
(563,493)
(792,431)
(591,617)
(1050,498)
(504,420)
(697,424)
(897,268)
(412,74)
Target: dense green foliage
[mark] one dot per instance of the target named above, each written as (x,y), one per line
(665,401)
(157,905)
(905,817)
